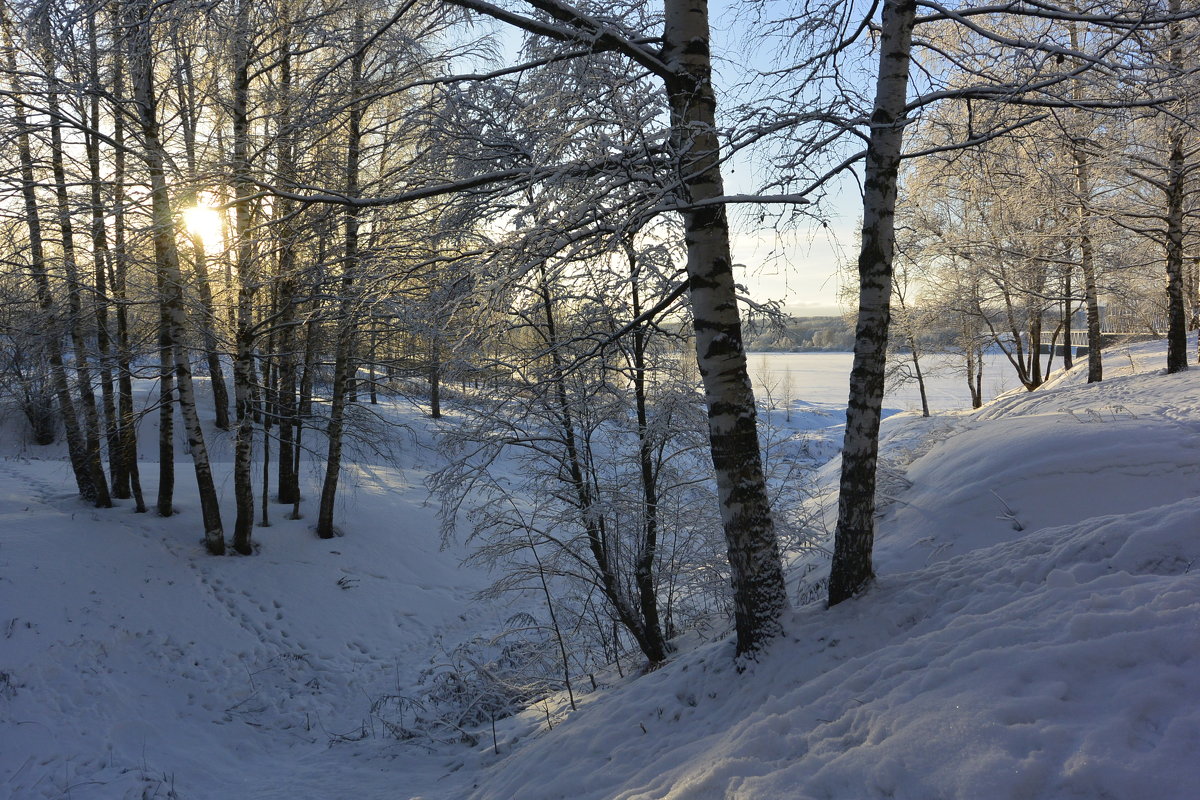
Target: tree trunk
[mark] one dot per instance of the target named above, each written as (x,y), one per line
(76,444)
(1176,313)
(212,354)
(435,377)
(1067,313)
(120,262)
(916,359)
(243,367)
(1176,176)
(759,595)
(1087,264)
(975,376)
(118,476)
(304,405)
(575,470)
(266,471)
(977,394)
(1034,319)
(648,546)
(1017,356)
(289,488)
(1091,296)
(854,540)
(167,261)
(75,289)
(189,114)
(1087,259)
(371,378)
(164,502)
(344,366)
(270,400)
(335,428)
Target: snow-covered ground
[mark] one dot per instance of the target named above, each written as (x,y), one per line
(134,665)
(1034,633)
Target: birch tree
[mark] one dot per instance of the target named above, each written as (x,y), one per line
(83,463)
(683,64)
(140,28)
(1036,35)
(1164,159)
(853,542)
(247,279)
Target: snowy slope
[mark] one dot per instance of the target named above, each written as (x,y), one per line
(1059,660)
(132,664)
(1067,452)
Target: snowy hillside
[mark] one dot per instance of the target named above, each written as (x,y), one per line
(1059,660)
(1034,633)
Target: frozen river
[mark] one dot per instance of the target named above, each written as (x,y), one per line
(824,379)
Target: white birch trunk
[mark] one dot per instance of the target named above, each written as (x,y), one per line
(167,259)
(855,537)
(759,596)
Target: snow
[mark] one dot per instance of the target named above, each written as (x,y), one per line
(135,664)
(1034,633)
(825,378)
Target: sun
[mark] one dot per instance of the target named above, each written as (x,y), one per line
(206,224)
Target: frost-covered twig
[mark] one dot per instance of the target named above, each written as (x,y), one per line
(1008,514)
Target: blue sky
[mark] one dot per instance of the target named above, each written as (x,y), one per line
(800,266)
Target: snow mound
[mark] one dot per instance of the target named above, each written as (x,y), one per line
(1065,663)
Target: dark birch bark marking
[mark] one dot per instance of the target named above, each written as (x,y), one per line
(855,537)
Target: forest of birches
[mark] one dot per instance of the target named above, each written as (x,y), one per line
(281,218)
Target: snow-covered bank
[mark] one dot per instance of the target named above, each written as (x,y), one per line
(1034,633)
(1062,664)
